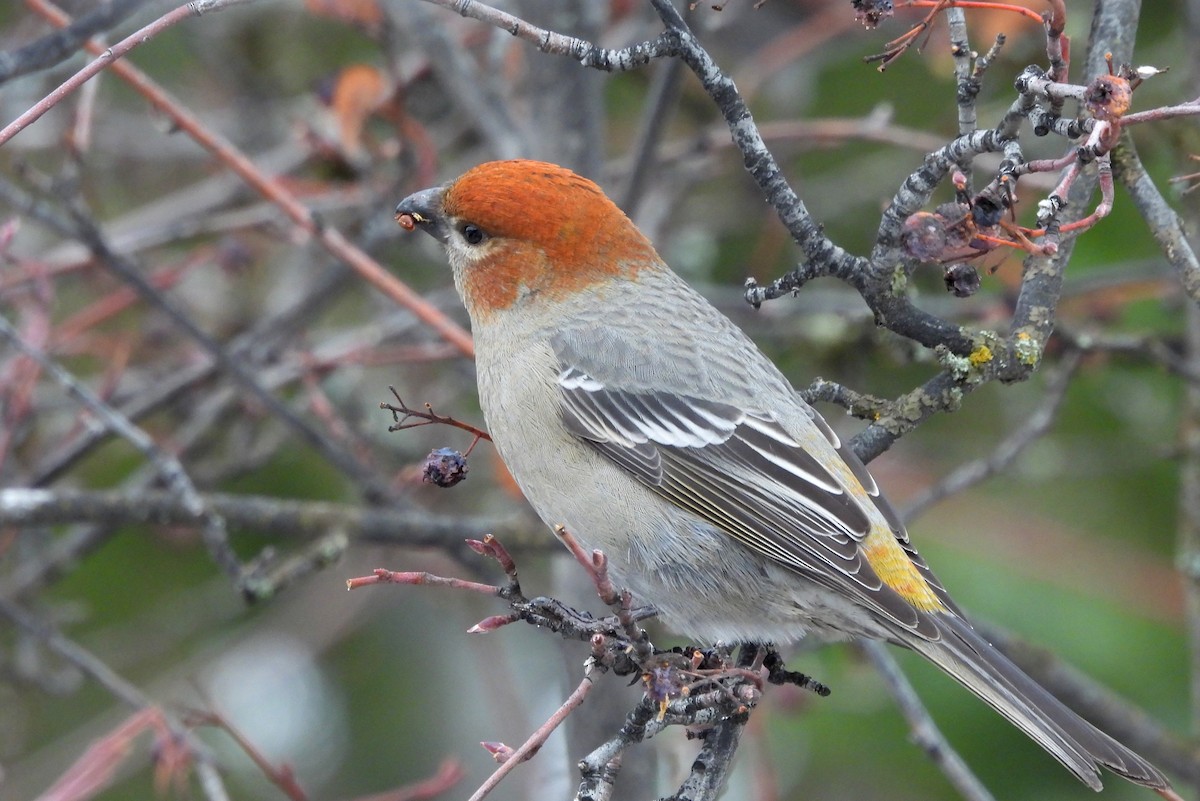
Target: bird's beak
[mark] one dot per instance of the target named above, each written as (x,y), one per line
(424,209)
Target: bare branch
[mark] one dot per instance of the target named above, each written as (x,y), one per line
(119,687)
(1164,222)
(275,516)
(1004,454)
(330,238)
(173,473)
(586,53)
(924,731)
(107,57)
(52,48)
(535,740)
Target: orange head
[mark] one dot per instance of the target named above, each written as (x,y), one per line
(526,231)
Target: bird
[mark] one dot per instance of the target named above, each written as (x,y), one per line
(635,414)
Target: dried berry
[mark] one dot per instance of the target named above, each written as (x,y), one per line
(871,12)
(957,223)
(987,211)
(962,279)
(444,467)
(924,236)
(1108,97)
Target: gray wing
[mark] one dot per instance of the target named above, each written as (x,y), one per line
(741,471)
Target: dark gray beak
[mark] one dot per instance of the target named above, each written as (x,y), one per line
(424,210)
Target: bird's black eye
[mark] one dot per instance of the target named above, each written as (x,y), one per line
(473,234)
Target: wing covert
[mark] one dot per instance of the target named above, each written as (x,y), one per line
(744,473)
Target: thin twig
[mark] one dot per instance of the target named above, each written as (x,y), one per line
(117,686)
(588,54)
(401,412)
(81,226)
(659,105)
(54,47)
(536,740)
(924,731)
(282,776)
(278,517)
(107,57)
(169,467)
(329,237)
(1164,222)
(470,86)
(1004,454)
(382,576)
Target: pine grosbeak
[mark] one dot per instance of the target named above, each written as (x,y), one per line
(631,411)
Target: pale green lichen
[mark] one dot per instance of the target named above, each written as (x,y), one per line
(1027,350)
(959,366)
(970,368)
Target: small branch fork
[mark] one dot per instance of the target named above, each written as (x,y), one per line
(899,46)
(402,414)
(682,687)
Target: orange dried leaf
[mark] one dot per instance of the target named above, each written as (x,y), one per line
(358,92)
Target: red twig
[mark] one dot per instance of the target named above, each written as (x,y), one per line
(380,356)
(282,777)
(96,767)
(106,57)
(1188,109)
(118,301)
(490,546)
(383,576)
(449,773)
(595,563)
(401,413)
(984,4)
(898,46)
(493,622)
(535,741)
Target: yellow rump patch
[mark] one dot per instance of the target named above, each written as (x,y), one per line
(896,570)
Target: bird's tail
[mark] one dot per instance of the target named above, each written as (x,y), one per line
(1070,739)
